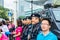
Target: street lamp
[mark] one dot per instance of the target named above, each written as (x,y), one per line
(31,6)
(15,13)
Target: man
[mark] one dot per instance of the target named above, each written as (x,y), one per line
(24,26)
(29,25)
(35,25)
(46,34)
(26,29)
(24,23)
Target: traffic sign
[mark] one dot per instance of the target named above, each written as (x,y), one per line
(9,13)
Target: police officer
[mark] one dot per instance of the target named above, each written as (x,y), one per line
(26,29)
(28,19)
(35,25)
(24,26)
(24,23)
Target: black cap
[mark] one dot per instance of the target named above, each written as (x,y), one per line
(35,15)
(24,18)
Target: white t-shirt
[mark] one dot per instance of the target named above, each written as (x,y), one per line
(0,27)
(5,28)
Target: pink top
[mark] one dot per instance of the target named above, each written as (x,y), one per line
(10,26)
(19,29)
(3,37)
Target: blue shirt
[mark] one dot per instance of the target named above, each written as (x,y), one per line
(49,36)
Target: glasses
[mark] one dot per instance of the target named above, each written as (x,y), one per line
(44,24)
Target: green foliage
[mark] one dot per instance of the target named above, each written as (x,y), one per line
(3,12)
(21,17)
(55,2)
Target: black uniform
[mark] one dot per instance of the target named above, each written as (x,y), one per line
(35,31)
(26,30)
(36,28)
(24,34)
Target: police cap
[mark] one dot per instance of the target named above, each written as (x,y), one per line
(35,15)
(28,17)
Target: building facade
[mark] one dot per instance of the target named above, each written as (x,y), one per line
(1,2)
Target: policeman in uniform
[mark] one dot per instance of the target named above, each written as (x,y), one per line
(23,23)
(27,27)
(28,19)
(35,26)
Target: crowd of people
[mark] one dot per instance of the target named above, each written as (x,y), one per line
(30,28)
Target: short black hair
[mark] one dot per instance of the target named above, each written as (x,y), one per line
(3,22)
(28,17)
(24,19)
(47,20)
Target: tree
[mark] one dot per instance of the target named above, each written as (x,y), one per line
(3,12)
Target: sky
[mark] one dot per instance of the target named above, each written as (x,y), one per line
(9,4)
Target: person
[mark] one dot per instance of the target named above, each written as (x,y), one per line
(27,23)
(11,28)
(28,28)
(35,18)
(5,28)
(18,30)
(46,34)
(24,23)
(2,35)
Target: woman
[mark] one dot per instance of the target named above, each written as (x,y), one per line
(18,30)
(2,35)
(11,28)
(5,28)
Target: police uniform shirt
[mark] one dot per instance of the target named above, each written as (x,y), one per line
(35,31)
(49,36)
(29,28)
